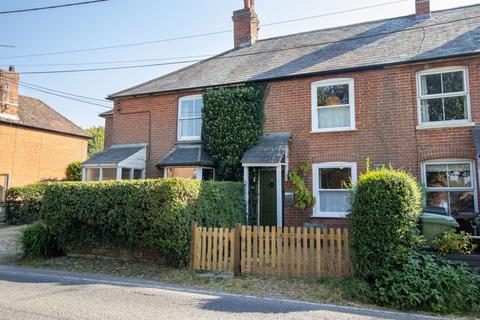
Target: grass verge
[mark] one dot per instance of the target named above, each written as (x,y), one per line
(349,292)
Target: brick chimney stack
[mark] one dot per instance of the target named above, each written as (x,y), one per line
(422,9)
(245,25)
(9,93)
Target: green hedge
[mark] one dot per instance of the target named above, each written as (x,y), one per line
(151,214)
(385,211)
(23,203)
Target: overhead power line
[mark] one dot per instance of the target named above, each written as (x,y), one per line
(7,45)
(253,53)
(110,62)
(196,35)
(52,7)
(61,94)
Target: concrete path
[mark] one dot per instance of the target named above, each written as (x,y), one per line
(8,241)
(41,294)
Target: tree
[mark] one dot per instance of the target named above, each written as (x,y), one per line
(95,145)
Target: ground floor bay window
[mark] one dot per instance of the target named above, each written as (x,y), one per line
(450,185)
(119,162)
(199,173)
(331,183)
(112,173)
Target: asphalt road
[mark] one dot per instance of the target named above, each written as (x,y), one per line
(41,294)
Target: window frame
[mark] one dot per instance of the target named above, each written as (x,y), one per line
(118,169)
(314,103)
(316,188)
(421,96)
(473,173)
(179,119)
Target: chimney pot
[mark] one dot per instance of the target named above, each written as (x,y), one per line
(11,68)
(422,9)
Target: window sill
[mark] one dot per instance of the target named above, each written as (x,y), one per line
(342,215)
(333,130)
(442,125)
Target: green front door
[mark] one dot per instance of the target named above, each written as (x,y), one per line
(268,198)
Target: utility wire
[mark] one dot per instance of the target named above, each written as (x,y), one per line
(7,45)
(52,7)
(195,35)
(61,94)
(253,53)
(110,62)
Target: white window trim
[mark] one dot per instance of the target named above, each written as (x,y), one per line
(179,129)
(420,96)
(117,168)
(315,180)
(351,93)
(453,161)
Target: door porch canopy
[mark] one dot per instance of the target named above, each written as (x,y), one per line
(270,152)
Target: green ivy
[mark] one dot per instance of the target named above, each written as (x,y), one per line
(232,123)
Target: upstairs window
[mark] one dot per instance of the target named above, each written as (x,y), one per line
(333,107)
(443,96)
(190,118)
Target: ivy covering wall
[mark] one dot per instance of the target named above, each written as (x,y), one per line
(233,120)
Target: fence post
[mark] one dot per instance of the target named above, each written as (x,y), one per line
(192,246)
(237,250)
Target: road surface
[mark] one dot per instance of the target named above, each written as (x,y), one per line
(41,294)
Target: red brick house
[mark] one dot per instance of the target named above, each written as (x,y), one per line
(402,91)
(37,143)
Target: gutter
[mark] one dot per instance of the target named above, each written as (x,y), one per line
(45,129)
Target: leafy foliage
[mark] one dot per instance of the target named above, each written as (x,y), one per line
(74,171)
(429,283)
(23,204)
(151,214)
(385,210)
(303,197)
(232,123)
(95,145)
(452,242)
(37,241)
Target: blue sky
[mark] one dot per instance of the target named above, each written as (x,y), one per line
(126,21)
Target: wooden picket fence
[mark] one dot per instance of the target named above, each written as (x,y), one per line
(287,251)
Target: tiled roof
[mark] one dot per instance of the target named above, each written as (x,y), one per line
(447,33)
(190,155)
(36,114)
(270,150)
(114,154)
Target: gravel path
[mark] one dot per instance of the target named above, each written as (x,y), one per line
(8,241)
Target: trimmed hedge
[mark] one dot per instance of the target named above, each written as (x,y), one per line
(150,214)
(385,211)
(23,204)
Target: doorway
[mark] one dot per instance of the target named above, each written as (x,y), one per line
(268,198)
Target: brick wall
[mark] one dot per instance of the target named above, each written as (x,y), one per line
(108,132)
(385,112)
(29,155)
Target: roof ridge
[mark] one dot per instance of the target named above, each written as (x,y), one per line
(365,23)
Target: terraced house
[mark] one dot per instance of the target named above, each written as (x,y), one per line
(402,91)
